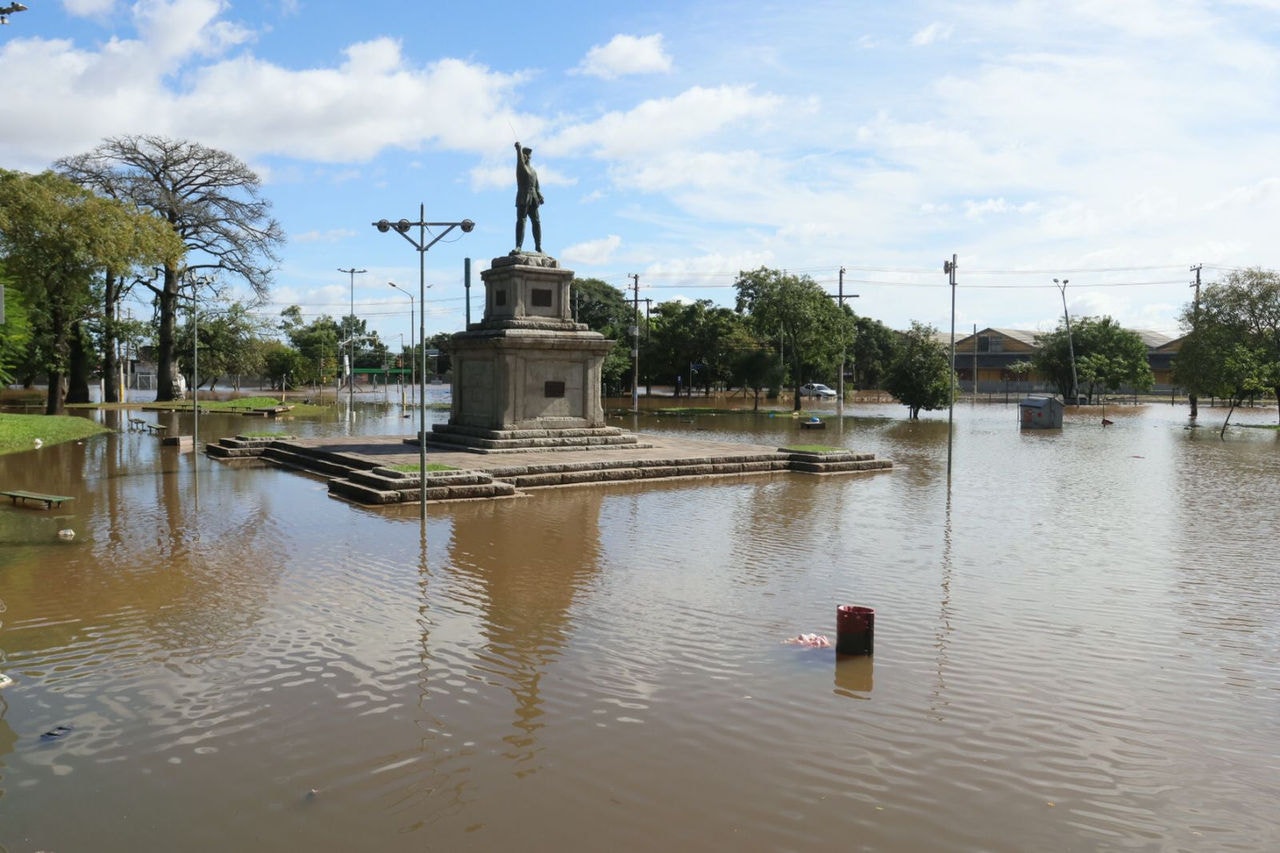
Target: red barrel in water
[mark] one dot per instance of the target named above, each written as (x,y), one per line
(855,630)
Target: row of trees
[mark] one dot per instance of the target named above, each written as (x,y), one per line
(185,222)
(785,330)
(174,217)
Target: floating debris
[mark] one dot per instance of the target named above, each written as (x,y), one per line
(809,641)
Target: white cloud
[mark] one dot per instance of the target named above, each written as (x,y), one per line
(335,235)
(89,8)
(626,55)
(666,124)
(935,32)
(599,251)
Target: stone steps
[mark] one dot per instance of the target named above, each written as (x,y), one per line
(479,440)
(361,480)
(382,486)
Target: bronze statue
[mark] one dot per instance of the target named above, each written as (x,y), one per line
(528,199)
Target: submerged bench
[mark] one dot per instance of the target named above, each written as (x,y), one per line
(140,424)
(47,500)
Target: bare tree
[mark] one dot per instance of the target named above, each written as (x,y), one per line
(212,201)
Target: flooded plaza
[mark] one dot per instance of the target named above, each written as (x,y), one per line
(1077,647)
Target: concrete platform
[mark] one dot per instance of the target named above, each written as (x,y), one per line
(360,468)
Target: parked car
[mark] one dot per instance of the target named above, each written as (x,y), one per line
(816,389)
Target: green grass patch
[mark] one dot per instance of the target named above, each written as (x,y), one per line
(412,467)
(19,432)
(266,433)
(812,448)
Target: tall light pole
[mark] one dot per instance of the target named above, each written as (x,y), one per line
(949,267)
(1071,347)
(635,345)
(412,348)
(351,346)
(421,244)
(840,298)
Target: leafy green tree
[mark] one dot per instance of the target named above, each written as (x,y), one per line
(604,308)
(875,346)
(1243,308)
(209,198)
(443,363)
(15,332)
(282,364)
(921,376)
(316,342)
(1233,348)
(798,310)
(58,238)
(1107,358)
(756,368)
(230,345)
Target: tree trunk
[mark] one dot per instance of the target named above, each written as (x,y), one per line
(78,368)
(166,390)
(110,341)
(53,400)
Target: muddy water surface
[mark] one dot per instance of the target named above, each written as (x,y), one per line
(1077,648)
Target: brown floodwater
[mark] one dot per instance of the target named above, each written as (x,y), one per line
(1077,647)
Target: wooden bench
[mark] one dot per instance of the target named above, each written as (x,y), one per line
(47,500)
(140,424)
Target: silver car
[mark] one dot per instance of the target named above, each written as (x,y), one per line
(816,389)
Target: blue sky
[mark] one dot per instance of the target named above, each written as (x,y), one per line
(1111,144)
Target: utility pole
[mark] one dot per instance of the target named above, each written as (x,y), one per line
(949,267)
(1195,323)
(351,349)
(635,343)
(840,298)
(1071,347)
(648,379)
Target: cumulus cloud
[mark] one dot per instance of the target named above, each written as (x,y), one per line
(935,32)
(625,55)
(599,251)
(345,113)
(666,124)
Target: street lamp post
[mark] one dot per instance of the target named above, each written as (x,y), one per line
(422,244)
(1071,347)
(412,344)
(351,347)
(840,298)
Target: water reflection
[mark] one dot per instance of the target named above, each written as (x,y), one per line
(1074,647)
(524,572)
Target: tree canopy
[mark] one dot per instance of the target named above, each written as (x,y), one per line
(1107,358)
(796,309)
(1233,347)
(211,201)
(58,240)
(921,376)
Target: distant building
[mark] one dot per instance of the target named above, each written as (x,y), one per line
(983,360)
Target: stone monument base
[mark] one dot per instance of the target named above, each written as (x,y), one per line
(479,440)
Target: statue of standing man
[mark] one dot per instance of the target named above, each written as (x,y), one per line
(528,199)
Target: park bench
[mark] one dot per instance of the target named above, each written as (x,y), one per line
(140,424)
(48,500)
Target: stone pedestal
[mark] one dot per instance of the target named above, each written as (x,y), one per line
(527,376)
